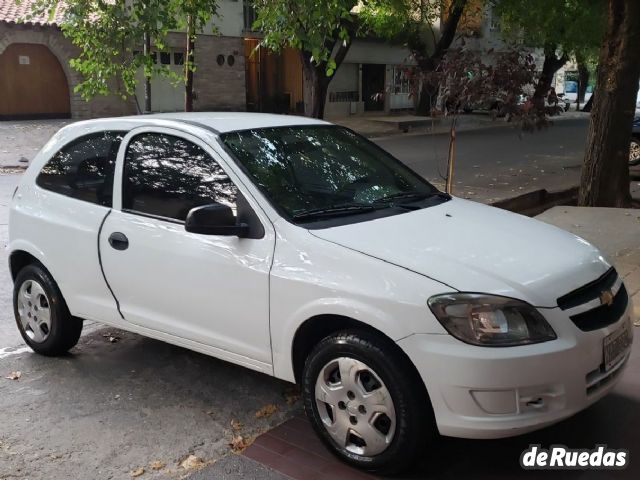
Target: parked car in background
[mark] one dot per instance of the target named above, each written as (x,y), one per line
(634,148)
(304,251)
(571,92)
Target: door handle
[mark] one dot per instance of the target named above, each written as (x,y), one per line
(119,241)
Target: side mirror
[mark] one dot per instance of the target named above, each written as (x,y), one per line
(215,219)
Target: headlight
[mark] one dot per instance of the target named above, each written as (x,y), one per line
(489,320)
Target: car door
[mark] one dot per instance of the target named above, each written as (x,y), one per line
(208,289)
(70,199)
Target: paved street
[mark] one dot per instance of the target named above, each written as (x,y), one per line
(498,162)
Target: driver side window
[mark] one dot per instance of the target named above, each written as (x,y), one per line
(166,176)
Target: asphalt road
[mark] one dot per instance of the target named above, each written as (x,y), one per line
(498,162)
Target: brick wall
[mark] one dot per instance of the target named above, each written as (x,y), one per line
(217,87)
(64,50)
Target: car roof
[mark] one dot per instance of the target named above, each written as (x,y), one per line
(220,122)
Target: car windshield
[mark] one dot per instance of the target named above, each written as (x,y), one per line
(318,172)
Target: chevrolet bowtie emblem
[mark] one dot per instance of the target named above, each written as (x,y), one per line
(606,297)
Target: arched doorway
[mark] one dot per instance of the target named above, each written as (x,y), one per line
(32,83)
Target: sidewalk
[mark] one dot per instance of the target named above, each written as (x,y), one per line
(291,451)
(379,125)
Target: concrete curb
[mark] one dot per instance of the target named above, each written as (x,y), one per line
(537,201)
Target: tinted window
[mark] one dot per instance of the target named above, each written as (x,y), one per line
(84,168)
(167,176)
(304,169)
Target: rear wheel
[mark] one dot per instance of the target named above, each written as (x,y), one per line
(41,313)
(366,403)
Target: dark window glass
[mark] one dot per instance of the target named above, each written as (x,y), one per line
(220,59)
(167,176)
(84,168)
(165,58)
(231,60)
(154,57)
(178,58)
(305,169)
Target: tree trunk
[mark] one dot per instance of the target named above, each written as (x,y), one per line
(316,81)
(605,173)
(147,78)
(583,82)
(428,61)
(549,68)
(188,67)
(428,97)
(315,86)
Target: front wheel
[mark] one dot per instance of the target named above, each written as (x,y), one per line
(41,313)
(366,403)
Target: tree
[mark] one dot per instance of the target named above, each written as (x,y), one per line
(323,33)
(431,28)
(561,28)
(108,33)
(111,33)
(193,16)
(605,173)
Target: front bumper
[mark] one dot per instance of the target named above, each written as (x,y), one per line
(483,392)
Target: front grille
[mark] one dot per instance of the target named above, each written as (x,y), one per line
(603,315)
(585,304)
(590,291)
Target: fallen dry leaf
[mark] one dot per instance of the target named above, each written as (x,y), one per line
(238,443)
(266,411)
(111,337)
(236,425)
(157,465)
(291,395)
(192,463)
(14,376)
(137,472)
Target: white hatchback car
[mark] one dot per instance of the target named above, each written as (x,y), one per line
(299,249)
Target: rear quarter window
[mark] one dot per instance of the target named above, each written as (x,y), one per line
(84,168)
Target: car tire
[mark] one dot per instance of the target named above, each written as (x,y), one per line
(35,293)
(377,367)
(634,151)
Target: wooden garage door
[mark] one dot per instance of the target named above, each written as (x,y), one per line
(32,83)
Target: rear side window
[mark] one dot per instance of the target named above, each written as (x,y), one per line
(166,176)
(84,168)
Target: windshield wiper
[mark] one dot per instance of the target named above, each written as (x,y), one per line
(409,196)
(347,209)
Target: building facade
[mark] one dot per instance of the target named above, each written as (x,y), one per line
(232,72)
(36,80)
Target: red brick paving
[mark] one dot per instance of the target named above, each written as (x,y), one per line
(293,449)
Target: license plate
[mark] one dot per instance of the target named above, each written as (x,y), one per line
(615,346)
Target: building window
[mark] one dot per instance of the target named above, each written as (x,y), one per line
(352,96)
(249,15)
(165,58)
(401,84)
(494,21)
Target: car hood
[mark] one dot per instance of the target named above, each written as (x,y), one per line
(476,248)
